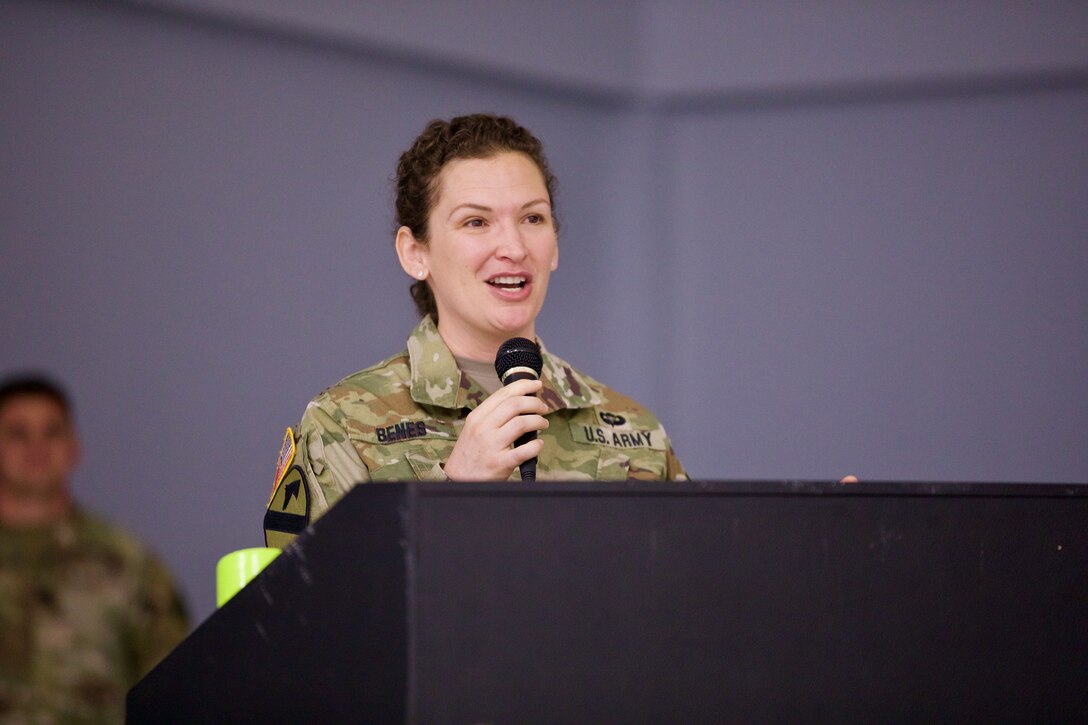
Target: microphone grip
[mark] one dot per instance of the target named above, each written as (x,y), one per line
(527,468)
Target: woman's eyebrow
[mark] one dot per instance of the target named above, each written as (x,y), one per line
(481,207)
(478,207)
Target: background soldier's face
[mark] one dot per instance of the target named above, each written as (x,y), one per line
(38,448)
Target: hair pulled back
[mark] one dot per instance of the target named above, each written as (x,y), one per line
(35,385)
(478,136)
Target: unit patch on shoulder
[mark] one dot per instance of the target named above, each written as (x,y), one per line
(289,510)
(286,458)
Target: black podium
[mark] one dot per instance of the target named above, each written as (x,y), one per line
(651,603)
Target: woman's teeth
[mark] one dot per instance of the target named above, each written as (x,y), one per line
(507,282)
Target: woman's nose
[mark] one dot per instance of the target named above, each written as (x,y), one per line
(511,244)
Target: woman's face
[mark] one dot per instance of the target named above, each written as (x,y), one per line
(492,247)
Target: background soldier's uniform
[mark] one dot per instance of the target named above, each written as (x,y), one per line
(85,611)
(399,420)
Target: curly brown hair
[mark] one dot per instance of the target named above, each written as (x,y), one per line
(477,136)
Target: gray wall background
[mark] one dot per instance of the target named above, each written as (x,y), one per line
(815,237)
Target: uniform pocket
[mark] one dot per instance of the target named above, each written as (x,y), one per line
(426,456)
(622,451)
(619,465)
(406,450)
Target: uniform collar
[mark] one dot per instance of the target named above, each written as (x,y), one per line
(63,532)
(437,381)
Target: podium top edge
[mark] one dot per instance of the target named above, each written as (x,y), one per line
(746,488)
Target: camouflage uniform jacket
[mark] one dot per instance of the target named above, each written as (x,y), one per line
(85,611)
(399,420)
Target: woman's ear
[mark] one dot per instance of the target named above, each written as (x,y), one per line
(412,254)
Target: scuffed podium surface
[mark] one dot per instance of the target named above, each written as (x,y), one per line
(615,602)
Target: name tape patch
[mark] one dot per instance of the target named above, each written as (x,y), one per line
(595,435)
(401,431)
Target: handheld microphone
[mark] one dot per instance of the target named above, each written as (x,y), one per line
(519,359)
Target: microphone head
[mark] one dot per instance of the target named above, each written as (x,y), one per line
(518,352)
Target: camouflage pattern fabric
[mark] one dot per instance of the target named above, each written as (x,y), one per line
(399,420)
(85,612)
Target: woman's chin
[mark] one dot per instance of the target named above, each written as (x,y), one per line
(519,325)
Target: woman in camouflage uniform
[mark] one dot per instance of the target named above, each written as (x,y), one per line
(478,234)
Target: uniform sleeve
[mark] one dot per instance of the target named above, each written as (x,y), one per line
(161,620)
(674,470)
(326,466)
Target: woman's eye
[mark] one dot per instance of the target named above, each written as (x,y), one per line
(475,222)
(535,218)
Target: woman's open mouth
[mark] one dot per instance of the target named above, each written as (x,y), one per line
(508,283)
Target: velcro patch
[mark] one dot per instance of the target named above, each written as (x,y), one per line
(611,419)
(401,431)
(598,436)
(398,431)
(286,458)
(289,509)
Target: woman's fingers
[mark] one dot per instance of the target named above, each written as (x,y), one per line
(484,449)
(516,395)
(521,424)
(526,451)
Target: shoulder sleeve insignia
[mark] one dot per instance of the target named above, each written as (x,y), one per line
(289,510)
(286,458)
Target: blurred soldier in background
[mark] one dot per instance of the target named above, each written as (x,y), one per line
(85,609)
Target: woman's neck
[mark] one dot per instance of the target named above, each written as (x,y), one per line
(474,347)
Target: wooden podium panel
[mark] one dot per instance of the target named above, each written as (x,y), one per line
(701,602)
